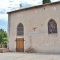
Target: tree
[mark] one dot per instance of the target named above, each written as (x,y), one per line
(3,37)
(46,1)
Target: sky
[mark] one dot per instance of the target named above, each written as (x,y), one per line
(10,5)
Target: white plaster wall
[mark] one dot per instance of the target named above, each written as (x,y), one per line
(39,39)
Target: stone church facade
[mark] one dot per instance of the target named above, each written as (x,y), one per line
(36,28)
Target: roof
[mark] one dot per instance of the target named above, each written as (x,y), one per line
(22,9)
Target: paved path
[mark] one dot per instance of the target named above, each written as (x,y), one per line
(28,56)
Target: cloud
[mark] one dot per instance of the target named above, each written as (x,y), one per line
(32,2)
(9,5)
(55,0)
(2,11)
(24,5)
(4,17)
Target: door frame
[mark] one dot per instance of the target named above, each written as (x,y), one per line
(16,44)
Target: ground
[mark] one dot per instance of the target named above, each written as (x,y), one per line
(28,56)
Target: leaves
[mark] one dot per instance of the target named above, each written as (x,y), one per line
(46,1)
(3,37)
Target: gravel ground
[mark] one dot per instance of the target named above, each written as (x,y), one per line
(28,56)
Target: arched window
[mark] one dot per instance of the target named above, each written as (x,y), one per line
(20,29)
(52,26)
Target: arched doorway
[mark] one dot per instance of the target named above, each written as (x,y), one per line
(20,41)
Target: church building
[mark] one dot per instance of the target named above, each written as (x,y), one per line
(35,29)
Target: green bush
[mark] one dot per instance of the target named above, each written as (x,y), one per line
(3,37)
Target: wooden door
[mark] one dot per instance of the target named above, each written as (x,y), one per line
(20,45)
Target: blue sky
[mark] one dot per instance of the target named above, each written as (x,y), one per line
(9,5)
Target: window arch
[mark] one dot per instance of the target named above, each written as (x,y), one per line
(20,29)
(52,26)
